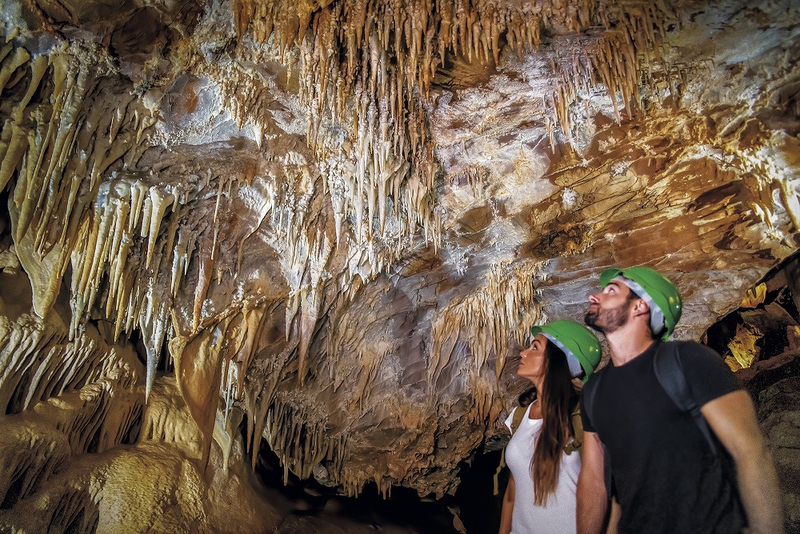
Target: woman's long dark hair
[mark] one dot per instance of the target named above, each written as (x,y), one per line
(557,400)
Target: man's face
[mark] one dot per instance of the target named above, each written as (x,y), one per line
(608,309)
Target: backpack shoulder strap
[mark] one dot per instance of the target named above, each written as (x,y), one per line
(669,372)
(516,420)
(577,431)
(519,414)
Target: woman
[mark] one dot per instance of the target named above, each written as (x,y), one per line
(540,496)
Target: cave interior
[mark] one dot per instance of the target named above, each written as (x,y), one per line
(261,260)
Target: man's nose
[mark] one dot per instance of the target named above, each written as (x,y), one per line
(593,298)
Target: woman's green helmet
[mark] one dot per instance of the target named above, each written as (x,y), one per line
(578,343)
(660,294)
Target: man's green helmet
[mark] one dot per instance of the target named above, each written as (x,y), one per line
(577,342)
(660,294)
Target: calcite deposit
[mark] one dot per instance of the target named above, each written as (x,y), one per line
(324,227)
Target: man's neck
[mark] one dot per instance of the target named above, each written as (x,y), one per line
(628,343)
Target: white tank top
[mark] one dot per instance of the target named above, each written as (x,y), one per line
(558,514)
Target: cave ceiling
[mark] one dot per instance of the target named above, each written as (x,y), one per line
(337,219)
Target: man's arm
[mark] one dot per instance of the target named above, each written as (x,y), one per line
(508,506)
(592,499)
(732,417)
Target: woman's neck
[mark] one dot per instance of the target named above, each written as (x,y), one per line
(536,409)
(536,406)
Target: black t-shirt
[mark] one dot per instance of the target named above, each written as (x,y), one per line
(666,478)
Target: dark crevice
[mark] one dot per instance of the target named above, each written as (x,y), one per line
(94,443)
(132,434)
(309,498)
(75,526)
(13,494)
(16,402)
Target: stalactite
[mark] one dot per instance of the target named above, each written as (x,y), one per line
(47,220)
(393,58)
(506,306)
(419,31)
(180,259)
(373,97)
(299,435)
(19,58)
(13,141)
(31,197)
(791,201)
(159,203)
(317,262)
(225,431)
(205,264)
(254,317)
(375,78)
(154,332)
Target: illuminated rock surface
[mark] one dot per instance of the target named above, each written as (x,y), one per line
(331,223)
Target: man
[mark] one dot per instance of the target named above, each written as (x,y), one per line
(666,475)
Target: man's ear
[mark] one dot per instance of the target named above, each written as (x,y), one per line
(640,307)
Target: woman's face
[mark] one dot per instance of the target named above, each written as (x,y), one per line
(532,363)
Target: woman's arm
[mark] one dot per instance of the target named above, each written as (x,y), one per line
(508,507)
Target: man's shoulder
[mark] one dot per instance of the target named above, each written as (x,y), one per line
(704,369)
(595,378)
(687,344)
(589,389)
(688,348)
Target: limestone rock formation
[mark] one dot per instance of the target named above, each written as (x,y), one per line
(331,223)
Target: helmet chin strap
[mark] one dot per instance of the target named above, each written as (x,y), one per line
(657,322)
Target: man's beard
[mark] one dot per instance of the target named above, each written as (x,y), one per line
(607,321)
